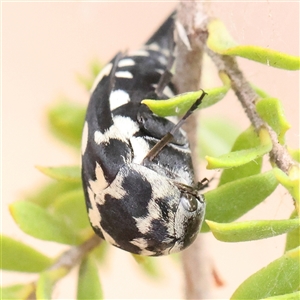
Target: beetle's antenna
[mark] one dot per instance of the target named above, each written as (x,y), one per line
(169,136)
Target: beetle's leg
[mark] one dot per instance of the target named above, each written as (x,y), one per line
(203,184)
(169,136)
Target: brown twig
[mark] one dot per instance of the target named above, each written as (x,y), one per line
(70,258)
(196,267)
(247,96)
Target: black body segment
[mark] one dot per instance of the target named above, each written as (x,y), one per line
(134,203)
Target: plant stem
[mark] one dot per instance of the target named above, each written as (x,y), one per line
(70,258)
(196,265)
(247,96)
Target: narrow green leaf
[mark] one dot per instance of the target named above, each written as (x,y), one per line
(39,223)
(290,182)
(220,41)
(261,93)
(89,286)
(280,277)
(295,153)
(215,136)
(293,237)
(45,195)
(46,282)
(292,296)
(64,173)
(66,122)
(246,140)
(20,257)
(271,111)
(241,157)
(251,230)
(100,252)
(71,208)
(180,104)
(148,265)
(87,80)
(17,291)
(266,56)
(231,200)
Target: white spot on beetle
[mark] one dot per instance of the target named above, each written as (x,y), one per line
(140,149)
(109,238)
(126,126)
(124,74)
(162,60)
(84,139)
(143,224)
(122,129)
(95,218)
(140,53)
(104,72)
(115,189)
(98,137)
(100,183)
(118,98)
(153,46)
(111,133)
(142,244)
(126,62)
(94,213)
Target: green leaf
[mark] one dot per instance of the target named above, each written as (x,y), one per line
(46,282)
(66,122)
(231,200)
(215,136)
(261,93)
(180,104)
(148,265)
(251,230)
(71,208)
(45,195)
(220,41)
(94,69)
(241,157)
(100,252)
(39,223)
(278,278)
(271,111)
(290,182)
(20,257)
(246,140)
(64,173)
(89,286)
(292,296)
(295,154)
(17,291)
(293,237)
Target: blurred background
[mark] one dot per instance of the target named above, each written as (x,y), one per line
(46,45)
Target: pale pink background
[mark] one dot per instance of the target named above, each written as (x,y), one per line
(44,46)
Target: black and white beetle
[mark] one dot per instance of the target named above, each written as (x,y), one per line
(139,198)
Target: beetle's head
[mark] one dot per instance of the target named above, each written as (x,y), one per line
(188,217)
